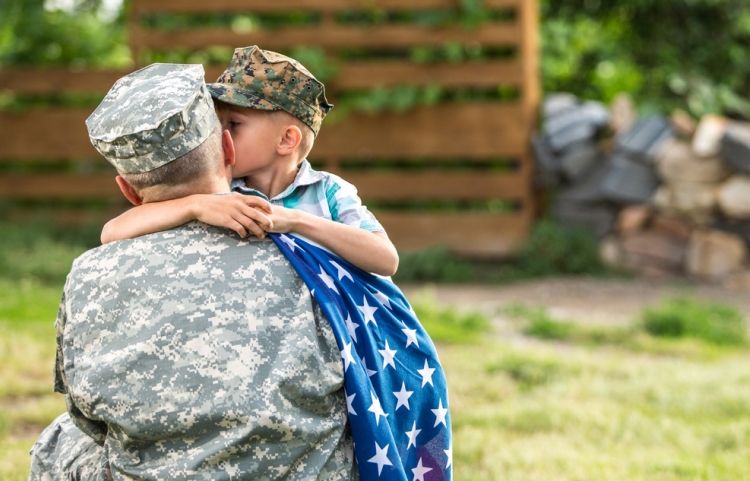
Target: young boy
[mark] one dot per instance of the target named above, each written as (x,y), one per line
(273,108)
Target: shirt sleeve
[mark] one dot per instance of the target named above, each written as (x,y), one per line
(97,430)
(346,207)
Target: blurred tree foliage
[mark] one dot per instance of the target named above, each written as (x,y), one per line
(691,54)
(77,33)
(666,53)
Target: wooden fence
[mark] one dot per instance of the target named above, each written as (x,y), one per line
(463,158)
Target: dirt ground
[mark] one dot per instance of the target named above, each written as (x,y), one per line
(584,300)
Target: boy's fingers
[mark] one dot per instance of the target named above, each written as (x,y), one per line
(258,216)
(251,226)
(253,201)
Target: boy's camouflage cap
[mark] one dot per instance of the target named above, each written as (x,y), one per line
(265,80)
(153,116)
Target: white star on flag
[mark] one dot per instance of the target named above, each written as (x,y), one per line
(383,299)
(349,401)
(449,454)
(346,355)
(288,241)
(351,326)
(440,414)
(369,371)
(367,312)
(381,457)
(340,271)
(376,409)
(327,280)
(411,336)
(403,397)
(413,435)
(426,373)
(420,471)
(388,355)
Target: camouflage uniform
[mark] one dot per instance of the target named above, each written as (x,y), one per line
(190,354)
(64,452)
(265,80)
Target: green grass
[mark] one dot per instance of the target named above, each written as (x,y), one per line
(531,371)
(537,322)
(583,413)
(27,353)
(677,327)
(685,317)
(447,324)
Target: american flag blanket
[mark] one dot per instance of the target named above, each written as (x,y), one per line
(396,391)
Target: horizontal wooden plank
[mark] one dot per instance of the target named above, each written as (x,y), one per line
(471,130)
(269,6)
(388,73)
(350,76)
(46,134)
(58,80)
(59,186)
(334,37)
(68,216)
(471,234)
(432,185)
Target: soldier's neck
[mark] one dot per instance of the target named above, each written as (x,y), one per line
(212,185)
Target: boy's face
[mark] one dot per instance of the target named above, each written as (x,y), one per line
(254,134)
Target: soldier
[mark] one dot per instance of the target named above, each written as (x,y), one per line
(189,353)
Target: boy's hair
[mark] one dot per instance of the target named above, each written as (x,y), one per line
(183,170)
(308,136)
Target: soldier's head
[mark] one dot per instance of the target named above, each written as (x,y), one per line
(158,128)
(278,95)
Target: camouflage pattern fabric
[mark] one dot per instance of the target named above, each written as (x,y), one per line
(192,354)
(64,453)
(265,80)
(152,117)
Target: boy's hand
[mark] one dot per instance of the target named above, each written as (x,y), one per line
(242,213)
(283,220)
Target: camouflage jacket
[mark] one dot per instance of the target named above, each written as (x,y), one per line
(192,355)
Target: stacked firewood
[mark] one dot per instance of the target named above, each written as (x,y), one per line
(666,196)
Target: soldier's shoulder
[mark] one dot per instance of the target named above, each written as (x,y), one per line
(194,238)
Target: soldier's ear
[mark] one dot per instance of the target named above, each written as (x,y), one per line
(227,145)
(128,191)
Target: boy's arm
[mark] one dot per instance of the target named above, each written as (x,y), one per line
(370,251)
(240,213)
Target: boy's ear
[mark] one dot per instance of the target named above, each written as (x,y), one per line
(128,191)
(227,145)
(290,140)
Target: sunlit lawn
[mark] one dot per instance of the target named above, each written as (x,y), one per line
(539,410)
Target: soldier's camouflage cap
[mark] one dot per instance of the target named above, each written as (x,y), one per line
(152,117)
(265,80)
